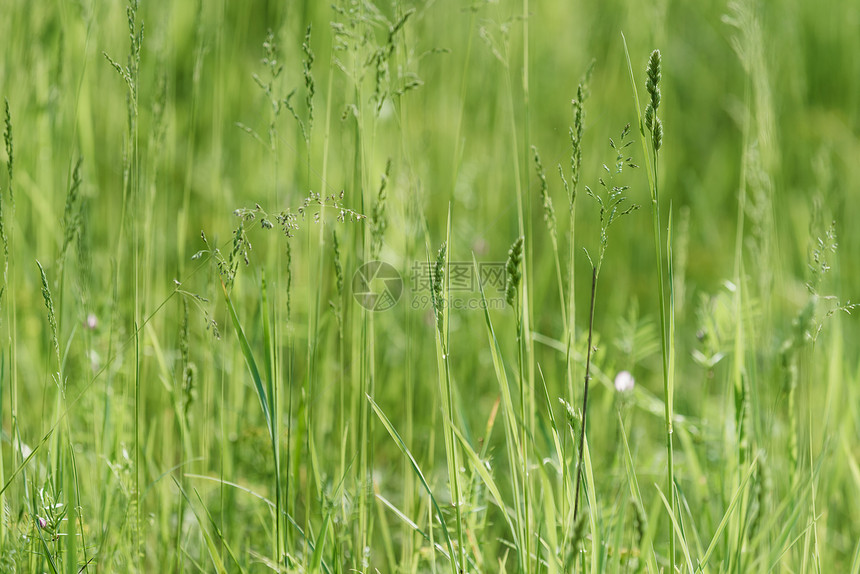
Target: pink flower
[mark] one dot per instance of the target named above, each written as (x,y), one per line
(92,321)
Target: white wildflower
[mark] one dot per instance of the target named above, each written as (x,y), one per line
(624,382)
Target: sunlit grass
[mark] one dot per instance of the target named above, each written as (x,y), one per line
(188,383)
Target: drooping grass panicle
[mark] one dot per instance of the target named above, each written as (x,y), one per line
(311,207)
(229,265)
(497,40)
(314,205)
(611,198)
(513,272)
(821,257)
(241,247)
(381,59)
(823,245)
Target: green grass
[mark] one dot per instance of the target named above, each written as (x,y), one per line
(188,383)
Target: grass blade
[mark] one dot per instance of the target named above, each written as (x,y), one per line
(678,532)
(207,537)
(405,450)
(732,505)
(249,359)
(633,482)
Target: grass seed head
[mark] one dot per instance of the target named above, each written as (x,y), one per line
(652,84)
(438,278)
(310,88)
(576,537)
(548,210)
(338,266)
(649,116)
(513,273)
(49,305)
(7,137)
(657,134)
(72,214)
(378,218)
(188,368)
(640,522)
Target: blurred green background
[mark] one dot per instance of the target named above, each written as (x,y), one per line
(760,99)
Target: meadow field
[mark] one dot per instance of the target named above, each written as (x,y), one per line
(402,286)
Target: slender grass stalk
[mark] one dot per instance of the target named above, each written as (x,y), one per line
(58,445)
(403,61)
(191,141)
(272,387)
(441,302)
(526,231)
(315,265)
(71,228)
(585,393)
(512,437)
(131,201)
(361,348)
(514,296)
(652,122)
(575,133)
(7,221)
(458,142)
(524,329)
(338,305)
(611,208)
